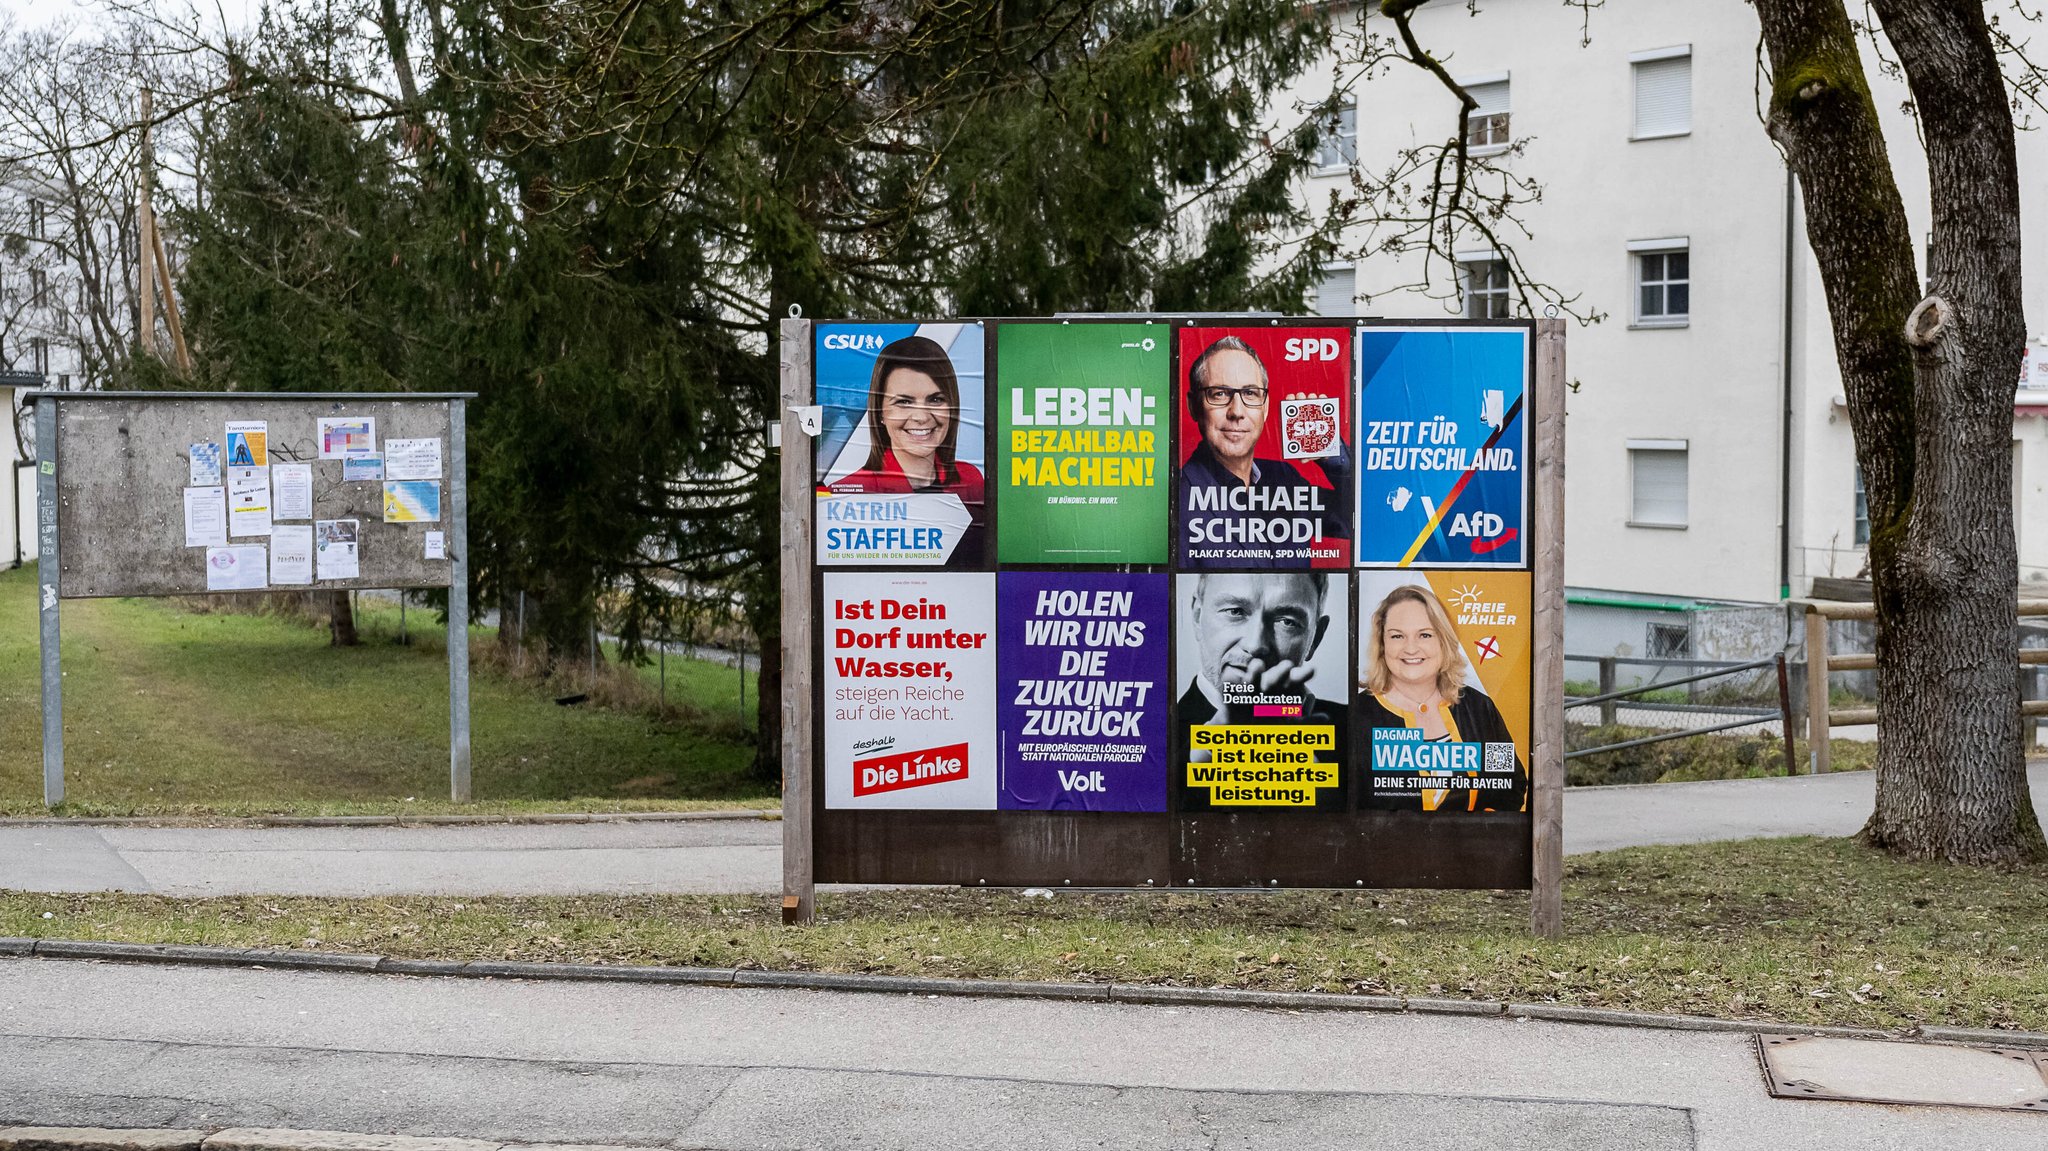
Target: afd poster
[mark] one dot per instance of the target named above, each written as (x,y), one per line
(1443,696)
(1082,420)
(1265,461)
(1265,658)
(910,689)
(1444,437)
(902,447)
(1084,691)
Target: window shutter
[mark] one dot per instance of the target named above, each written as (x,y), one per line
(1333,295)
(1659,478)
(1664,97)
(1492,97)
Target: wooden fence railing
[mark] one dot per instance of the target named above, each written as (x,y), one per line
(1819,662)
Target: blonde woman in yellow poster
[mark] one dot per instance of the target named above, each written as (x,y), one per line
(1436,740)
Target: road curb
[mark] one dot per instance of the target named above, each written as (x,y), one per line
(1154,995)
(255,1139)
(769,815)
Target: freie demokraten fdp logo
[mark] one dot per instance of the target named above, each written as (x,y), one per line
(906,769)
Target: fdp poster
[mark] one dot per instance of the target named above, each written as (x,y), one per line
(1445,446)
(1265,658)
(1443,702)
(910,676)
(1265,470)
(1084,691)
(1082,419)
(902,447)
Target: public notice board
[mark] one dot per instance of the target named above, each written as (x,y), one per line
(1227,604)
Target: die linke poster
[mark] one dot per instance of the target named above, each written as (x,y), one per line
(1265,477)
(909,682)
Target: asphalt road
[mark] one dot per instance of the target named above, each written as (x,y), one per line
(738,1070)
(745,855)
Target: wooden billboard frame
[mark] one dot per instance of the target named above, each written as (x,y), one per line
(798,620)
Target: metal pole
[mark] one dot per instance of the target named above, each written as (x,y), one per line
(1785,709)
(458,603)
(1816,693)
(664,670)
(519,649)
(47,581)
(401,617)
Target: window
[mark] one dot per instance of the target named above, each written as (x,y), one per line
(1663,88)
(1861,530)
(1667,640)
(1663,275)
(39,354)
(38,287)
(35,219)
(1657,483)
(1486,129)
(1337,294)
(1340,139)
(1486,289)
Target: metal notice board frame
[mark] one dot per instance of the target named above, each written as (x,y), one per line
(134,421)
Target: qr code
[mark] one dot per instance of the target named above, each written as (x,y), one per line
(1500,758)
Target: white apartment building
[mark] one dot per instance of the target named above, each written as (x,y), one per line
(1666,207)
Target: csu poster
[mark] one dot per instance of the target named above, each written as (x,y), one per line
(1445,442)
(909,681)
(901,454)
(1084,691)
(1265,459)
(1083,414)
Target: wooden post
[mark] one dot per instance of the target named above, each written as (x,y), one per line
(799,501)
(1606,687)
(1816,692)
(1546,752)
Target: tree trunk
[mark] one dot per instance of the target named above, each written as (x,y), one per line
(1929,388)
(341,620)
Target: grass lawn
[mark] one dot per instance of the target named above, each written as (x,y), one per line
(1803,931)
(170,712)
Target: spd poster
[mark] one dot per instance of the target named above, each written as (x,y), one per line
(910,675)
(1265,460)
(1082,413)
(1445,444)
(902,448)
(1443,700)
(1084,691)
(1265,660)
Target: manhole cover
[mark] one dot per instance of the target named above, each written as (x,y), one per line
(1877,1071)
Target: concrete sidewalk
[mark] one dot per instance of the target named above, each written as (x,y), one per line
(726,855)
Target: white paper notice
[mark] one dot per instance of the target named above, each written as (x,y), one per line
(412,459)
(294,491)
(206,518)
(291,554)
(334,549)
(235,569)
(249,501)
(437,546)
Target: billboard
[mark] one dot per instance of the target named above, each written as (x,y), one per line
(1083,415)
(901,455)
(1444,436)
(1264,481)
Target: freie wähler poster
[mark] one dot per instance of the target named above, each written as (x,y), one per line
(1265,463)
(1444,661)
(910,690)
(902,450)
(1443,432)
(1084,691)
(1083,415)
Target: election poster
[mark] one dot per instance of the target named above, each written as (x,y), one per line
(1444,436)
(902,445)
(1443,698)
(910,690)
(1083,716)
(1265,460)
(1265,660)
(1082,424)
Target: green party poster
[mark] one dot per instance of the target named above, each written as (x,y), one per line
(1082,422)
